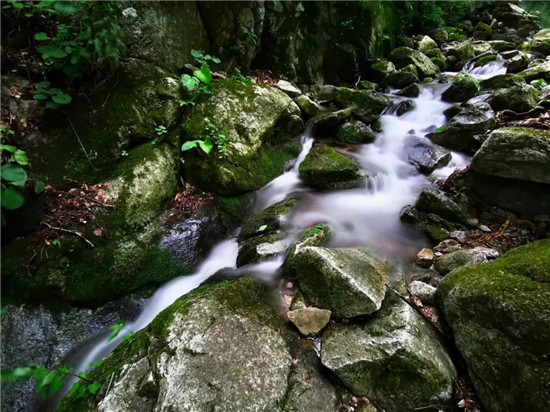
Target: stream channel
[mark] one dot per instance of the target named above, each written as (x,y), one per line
(367,216)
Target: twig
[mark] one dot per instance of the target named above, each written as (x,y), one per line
(74,232)
(80,141)
(428,407)
(110,382)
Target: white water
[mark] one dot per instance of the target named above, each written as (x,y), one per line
(484,72)
(367,216)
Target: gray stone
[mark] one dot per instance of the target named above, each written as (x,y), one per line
(425,257)
(423,291)
(288,88)
(541,42)
(310,320)
(424,155)
(399,80)
(402,56)
(410,91)
(367,106)
(427,43)
(308,106)
(355,132)
(433,200)
(517,63)
(462,89)
(349,282)
(453,260)
(328,121)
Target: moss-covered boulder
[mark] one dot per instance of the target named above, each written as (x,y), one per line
(259,122)
(308,106)
(410,91)
(327,121)
(515,153)
(403,56)
(458,133)
(488,58)
(394,359)
(440,36)
(399,79)
(380,69)
(501,81)
(365,105)
(326,169)
(125,113)
(435,201)
(519,99)
(541,42)
(462,89)
(482,31)
(218,347)
(439,62)
(537,70)
(427,43)
(517,63)
(497,310)
(347,281)
(458,258)
(355,131)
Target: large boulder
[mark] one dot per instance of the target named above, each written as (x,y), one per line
(462,89)
(515,153)
(426,44)
(259,123)
(403,56)
(399,80)
(424,155)
(326,169)
(394,359)
(355,132)
(541,42)
(432,200)
(459,132)
(537,70)
(458,258)
(347,281)
(380,69)
(498,309)
(365,105)
(517,98)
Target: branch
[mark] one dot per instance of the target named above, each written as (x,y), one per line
(74,232)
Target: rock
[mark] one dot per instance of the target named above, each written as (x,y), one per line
(424,155)
(498,309)
(404,107)
(452,111)
(447,246)
(541,42)
(483,60)
(317,235)
(268,220)
(427,43)
(380,69)
(326,121)
(434,53)
(395,359)
(433,200)
(462,89)
(229,324)
(326,169)
(482,48)
(501,81)
(482,31)
(439,35)
(308,106)
(366,85)
(259,123)
(515,153)
(439,62)
(309,321)
(425,257)
(410,91)
(341,63)
(453,260)
(399,80)
(263,247)
(289,89)
(355,132)
(501,45)
(463,51)
(518,98)
(537,70)
(347,281)
(460,235)
(458,133)
(426,293)
(410,68)
(403,56)
(366,106)
(517,63)
(509,54)
(325,92)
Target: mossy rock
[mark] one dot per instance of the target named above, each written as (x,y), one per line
(260,123)
(519,99)
(328,121)
(308,106)
(381,69)
(367,106)
(410,68)
(269,220)
(404,56)
(501,81)
(541,42)
(439,62)
(499,308)
(326,169)
(355,132)
(482,31)
(427,43)
(461,90)
(399,80)
(410,91)
(482,61)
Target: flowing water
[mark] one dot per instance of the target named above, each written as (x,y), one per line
(368,216)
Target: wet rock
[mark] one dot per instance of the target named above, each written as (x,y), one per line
(427,43)
(395,359)
(262,248)
(366,85)
(327,121)
(308,106)
(515,153)
(380,69)
(433,200)
(458,133)
(289,89)
(424,155)
(410,68)
(260,123)
(404,107)
(482,48)
(366,106)
(482,31)
(537,70)
(501,45)
(326,169)
(452,111)
(410,91)
(447,246)
(310,320)
(439,35)
(399,80)
(462,89)
(483,60)
(230,324)
(439,62)
(426,293)
(425,257)
(349,282)
(518,98)
(541,42)
(402,56)
(268,220)
(453,260)
(462,51)
(499,308)
(460,235)
(517,63)
(355,132)
(501,81)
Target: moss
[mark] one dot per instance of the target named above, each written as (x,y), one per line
(271,217)
(436,233)
(441,128)
(486,59)
(367,106)
(439,62)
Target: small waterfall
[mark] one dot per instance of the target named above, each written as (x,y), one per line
(487,70)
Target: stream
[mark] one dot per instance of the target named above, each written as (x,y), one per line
(366,216)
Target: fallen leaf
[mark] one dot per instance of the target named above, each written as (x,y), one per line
(98,232)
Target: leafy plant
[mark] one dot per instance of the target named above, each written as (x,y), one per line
(13,174)
(201,81)
(160,130)
(239,77)
(539,84)
(57,96)
(117,328)
(213,137)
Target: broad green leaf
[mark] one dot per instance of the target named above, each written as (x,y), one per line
(197,54)
(64,7)
(24,372)
(43,85)
(56,385)
(216,60)
(189,145)
(262,228)
(48,379)
(116,328)
(14,174)
(50,51)
(52,105)
(41,36)
(204,74)
(189,82)
(11,199)
(8,148)
(206,146)
(39,96)
(62,98)
(93,387)
(39,186)
(20,157)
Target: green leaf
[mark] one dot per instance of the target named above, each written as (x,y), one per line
(189,145)
(204,74)
(93,387)
(64,7)
(216,60)
(24,372)
(197,54)
(262,228)
(56,385)
(3,311)
(43,85)
(52,105)
(129,335)
(62,98)
(39,186)
(116,328)
(14,174)
(64,369)
(11,199)
(41,36)
(39,96)
(20,157)
(50,51)
(189,82)
(8,148)
(206,146)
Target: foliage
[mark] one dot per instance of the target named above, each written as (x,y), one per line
(117,328)
(419,16)
(58,97)
(240,78)
(539,84)
(213,137)
(201,81)
(160,130)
